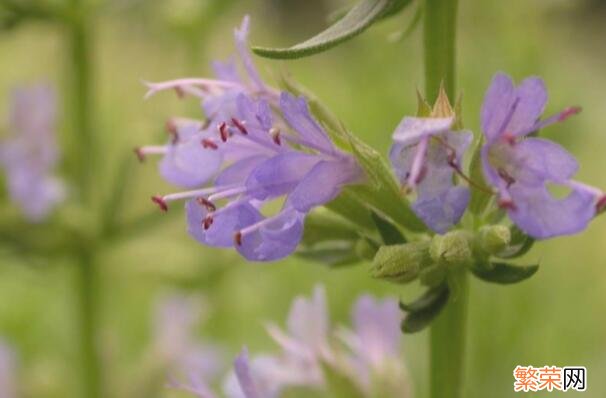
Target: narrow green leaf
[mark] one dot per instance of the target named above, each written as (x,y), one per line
(390,234)
(349,207)
(425,309)
(402,35)
(322,225)
(503,273)
(358,19)
(332,254)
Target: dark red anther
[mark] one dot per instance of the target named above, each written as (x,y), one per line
(421,175)
(171,128)
(601,205)
(140,154)
(452,159)
(223,131)
(239,125)
(506,177)
(206,143)
(210,206)
(160,202)
(238,238)
(207,222)
(506,204)
(566,113)
(180,92)
(509,138)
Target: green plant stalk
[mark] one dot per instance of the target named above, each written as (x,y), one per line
(439,47)
(448,331)
(81,110)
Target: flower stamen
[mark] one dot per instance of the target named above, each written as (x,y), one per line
(239,125)
(160,202)
(207,143)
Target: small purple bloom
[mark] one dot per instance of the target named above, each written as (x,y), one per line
(30,156)
(523,167)
(175,344)
(375,346)
(425,155)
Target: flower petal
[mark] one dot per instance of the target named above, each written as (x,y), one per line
(296,112)
(243,373)
(274,240)
(189,165)
(239,171)
(496,108)
(539,159)
(542,216)
(225,225)
(241,38)
(308,320)
(226,70)
(531,95)
(412,129)
(441,212)
(323,183)
(280,174)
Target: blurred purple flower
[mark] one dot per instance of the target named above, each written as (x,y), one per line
(425,154)
(31,154)
(8,382)
(522,168)
(375,346)
(176,345)
(371,358)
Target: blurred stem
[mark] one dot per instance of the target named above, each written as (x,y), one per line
(80,89)
(447,333)
(439,45)
(87,312)
(81,109)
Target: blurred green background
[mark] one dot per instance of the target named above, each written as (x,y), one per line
(555,318)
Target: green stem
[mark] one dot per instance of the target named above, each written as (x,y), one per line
(447,334)
(81,109)
(439,45)
(86,283)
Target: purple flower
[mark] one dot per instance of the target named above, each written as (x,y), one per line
(272,160)
(522,167)
(425,155)
(30,156)
(175,345)
(375,346)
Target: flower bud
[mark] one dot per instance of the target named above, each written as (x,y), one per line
(400,263)
(452,249)
(494,239)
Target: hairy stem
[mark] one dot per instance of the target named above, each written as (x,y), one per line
(447,333)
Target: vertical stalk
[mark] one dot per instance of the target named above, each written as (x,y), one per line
(81,109)
(448,331)
(439,46)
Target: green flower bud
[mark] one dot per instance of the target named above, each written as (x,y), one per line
(453,249)
(494,239)
(400,263)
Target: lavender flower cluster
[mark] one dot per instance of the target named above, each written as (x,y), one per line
(258,146)
(311,352)
(31,154)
